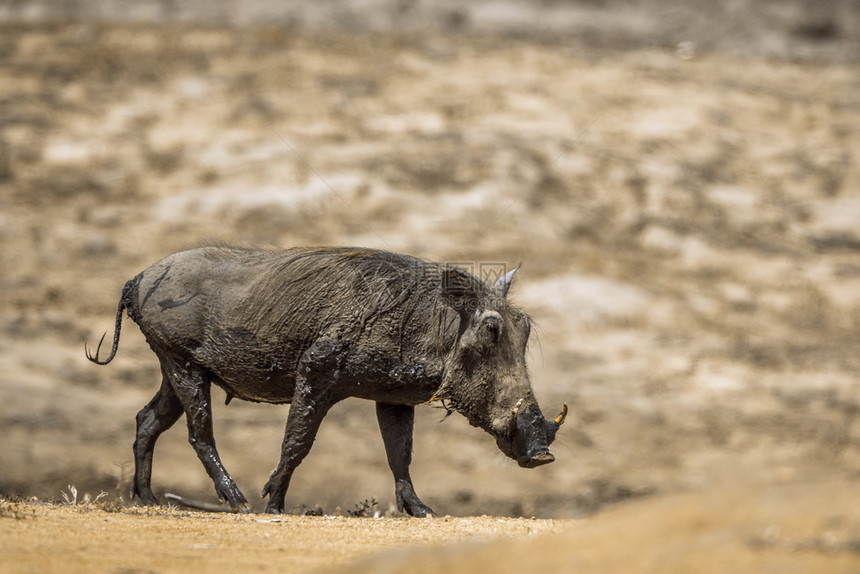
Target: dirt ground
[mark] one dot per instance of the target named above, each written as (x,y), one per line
(684,196)
(805,526)
(88,538)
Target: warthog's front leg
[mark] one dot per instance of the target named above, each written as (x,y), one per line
(315,394)
(395,422)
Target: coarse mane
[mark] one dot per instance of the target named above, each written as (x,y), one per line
(363,289)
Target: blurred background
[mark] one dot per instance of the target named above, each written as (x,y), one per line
(679,179)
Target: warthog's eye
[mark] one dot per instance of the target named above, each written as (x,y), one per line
(490,329)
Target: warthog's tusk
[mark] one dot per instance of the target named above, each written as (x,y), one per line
(563,415)
(512,425)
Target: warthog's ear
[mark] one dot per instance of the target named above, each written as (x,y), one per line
(504,283)
(459,288)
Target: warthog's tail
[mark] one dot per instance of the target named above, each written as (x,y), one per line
(196,504)
(124,302)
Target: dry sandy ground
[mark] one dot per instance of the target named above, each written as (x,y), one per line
(805,527)
(811,527)
(687,219)
(86,538)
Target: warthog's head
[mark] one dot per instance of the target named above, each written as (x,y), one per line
(485,375)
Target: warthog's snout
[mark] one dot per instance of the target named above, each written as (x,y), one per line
(531,434)
(537,460)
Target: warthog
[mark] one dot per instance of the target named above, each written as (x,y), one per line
(312,327)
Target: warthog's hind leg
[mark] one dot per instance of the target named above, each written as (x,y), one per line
(156,417)
(192,386)
(395,422)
